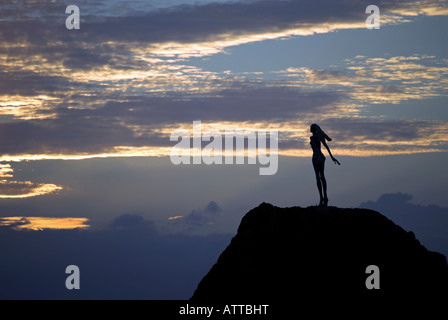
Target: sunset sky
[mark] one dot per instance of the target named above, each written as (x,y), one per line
(86,114)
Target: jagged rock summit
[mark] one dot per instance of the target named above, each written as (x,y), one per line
(297,253)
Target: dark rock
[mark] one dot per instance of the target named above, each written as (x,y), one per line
(299,254)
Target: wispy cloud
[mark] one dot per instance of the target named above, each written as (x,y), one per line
(10,189)
(25,189)
(378,80)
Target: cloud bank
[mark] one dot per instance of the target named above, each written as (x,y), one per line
(120,85)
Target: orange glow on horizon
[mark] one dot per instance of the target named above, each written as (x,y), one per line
(41,223)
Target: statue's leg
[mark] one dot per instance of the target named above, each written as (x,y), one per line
(324,185)
(318,181)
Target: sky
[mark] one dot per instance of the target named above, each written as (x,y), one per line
(87,117)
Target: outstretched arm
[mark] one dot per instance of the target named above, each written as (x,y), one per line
(328,149)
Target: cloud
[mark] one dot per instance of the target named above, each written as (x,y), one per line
(197,221)
(29,83)
(192,30)
(115,263)
(365,133)
(429,223)
(139,123)
(118,34)
(378,80)
(10,189)
(203,216)
(43,223)
(175,217)
(99,134)
(26,189)
(6,170)
(119,86)
(132,221)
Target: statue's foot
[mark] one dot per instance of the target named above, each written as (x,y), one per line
(325,202)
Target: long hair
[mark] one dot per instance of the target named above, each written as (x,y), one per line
(316,129)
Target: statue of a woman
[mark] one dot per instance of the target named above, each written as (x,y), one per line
(319,160)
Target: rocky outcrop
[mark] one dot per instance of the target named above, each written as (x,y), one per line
(299,254)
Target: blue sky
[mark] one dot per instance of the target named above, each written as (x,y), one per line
(86,115)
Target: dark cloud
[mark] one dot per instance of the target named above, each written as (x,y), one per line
(65,135)
(203,216)
(108,111)
(15,188)
(38,25)
(212,207)
(78,58)
(13,225)
(322,75)
(30,83)
(203,220)
(239,104)
(116,263)
(216,21)
(132,221)
(185,23)
(99,129)
(381,130)
(10,189)
(378,136)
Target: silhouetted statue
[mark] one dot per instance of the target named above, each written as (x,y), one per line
(319,160)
